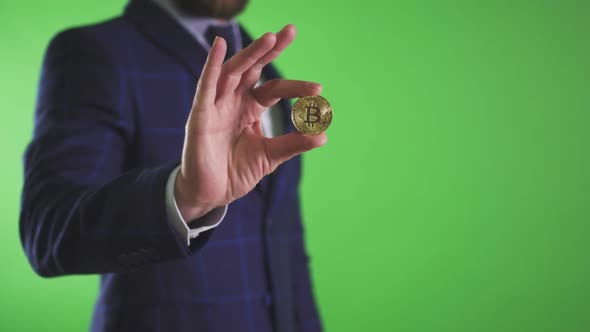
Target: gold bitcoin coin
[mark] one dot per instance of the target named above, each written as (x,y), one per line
(311,115)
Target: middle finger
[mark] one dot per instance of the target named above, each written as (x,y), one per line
(233,69)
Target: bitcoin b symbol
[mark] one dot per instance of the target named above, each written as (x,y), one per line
(311,115)
(312,111)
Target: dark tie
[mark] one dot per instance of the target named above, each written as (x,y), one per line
(227,33)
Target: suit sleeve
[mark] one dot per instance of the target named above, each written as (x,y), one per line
(307,316)
(82,209)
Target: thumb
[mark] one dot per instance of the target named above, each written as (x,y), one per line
(285,147)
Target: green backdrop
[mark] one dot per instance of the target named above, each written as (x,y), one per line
(454,191)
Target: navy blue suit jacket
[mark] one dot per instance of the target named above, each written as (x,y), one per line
(109,127)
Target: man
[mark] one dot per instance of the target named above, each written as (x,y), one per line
(187,206)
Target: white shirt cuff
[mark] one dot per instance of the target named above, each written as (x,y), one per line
(211,220)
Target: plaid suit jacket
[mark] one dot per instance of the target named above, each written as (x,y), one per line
(109,126)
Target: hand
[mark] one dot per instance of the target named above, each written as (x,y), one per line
(225,154)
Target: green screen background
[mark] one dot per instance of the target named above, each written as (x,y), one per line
(453,194)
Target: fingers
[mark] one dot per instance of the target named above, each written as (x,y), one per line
(234,68)
(272,91)
(247,57)
(207,86)
(284,39)
(285,147)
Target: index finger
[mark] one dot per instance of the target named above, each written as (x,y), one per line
(272,91)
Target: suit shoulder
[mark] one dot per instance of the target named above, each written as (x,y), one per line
(100,40)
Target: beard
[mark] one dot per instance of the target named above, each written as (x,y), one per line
(220,9)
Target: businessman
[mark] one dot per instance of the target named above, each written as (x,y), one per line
(185,202)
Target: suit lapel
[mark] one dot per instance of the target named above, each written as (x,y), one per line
(167,34)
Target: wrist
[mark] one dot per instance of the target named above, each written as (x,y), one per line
(188,208)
